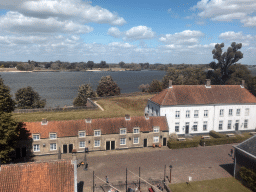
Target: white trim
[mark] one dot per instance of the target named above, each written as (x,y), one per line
(97,131)
(138,140)
(123,133)
(124,141)
(53,134)
(53,149)
(154,139)
(81,132)
(97,140)
(38,147)
(35,135)
(138,130)
(80,142)
(158,129)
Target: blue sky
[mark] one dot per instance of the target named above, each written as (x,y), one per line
(164,31)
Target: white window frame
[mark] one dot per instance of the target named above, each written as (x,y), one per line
(36,139)
(230,112)
(96,143)
(220,125)
(195,126)
(51,134)
(136,129)
(96,133)
(177,126)
(81,146)
(247,110)
(51,146)
(177,114)
(156,139)
(196,113)
(238,112)
(122,129)
(221,112)
(188,114)
(36,148)
(205,113)
(121,141)
(229,124)
(80,132)
(156,129)
(134,140)
(205,125)
(246,123)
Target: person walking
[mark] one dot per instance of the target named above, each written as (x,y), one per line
(106,179)
(231,152)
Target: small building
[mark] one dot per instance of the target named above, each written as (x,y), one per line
(245,155)
(53,176)
(198,109)
(97,134)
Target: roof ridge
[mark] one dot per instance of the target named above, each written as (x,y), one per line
(165,96)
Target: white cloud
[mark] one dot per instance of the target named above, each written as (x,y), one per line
(228,10)
(120,45)
(232,36)
(139,32)
(114,31)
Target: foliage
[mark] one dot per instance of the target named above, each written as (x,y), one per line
(216,135)
(248,177)
(144,88)
(84,92)
(223,140)
(182,144)
(107,87)
(7,104)
(121,64)
(155,86)
(27,98)
(90,64)
(226,59)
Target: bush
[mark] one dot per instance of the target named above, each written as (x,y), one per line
(248,178)
(216,135)
(182,144)
(222,141)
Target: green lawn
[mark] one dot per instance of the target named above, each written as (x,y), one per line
(221,185)
(113,107)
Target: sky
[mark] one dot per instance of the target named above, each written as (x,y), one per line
(139,31)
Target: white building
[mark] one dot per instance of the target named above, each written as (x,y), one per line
(197,109)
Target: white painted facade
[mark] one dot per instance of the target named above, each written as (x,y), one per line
(189,123)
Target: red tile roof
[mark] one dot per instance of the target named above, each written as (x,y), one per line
(37,176)
(200,95)
(107,126)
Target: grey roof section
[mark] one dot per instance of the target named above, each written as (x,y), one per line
(248,146)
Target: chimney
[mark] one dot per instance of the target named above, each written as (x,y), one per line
(44,121)
(208,83)
(88,120)
(242,85)
(146,116)
(170,83)
(127,117)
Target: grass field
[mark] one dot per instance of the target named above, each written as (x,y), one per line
(221,185)
(113,107)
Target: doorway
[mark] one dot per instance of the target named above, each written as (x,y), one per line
(110,145)
(145,143)
(107,145)
(65,148)
(23,152)
(164,141)
(70,148)
(187,128)
(237,125)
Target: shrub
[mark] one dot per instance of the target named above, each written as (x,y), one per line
(216,135)
(223,140)
(182,144)
(248,178)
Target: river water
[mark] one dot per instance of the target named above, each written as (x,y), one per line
(60,88)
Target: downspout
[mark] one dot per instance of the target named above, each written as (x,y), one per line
(213,116)
(235,164)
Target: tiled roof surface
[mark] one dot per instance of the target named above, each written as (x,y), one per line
(249,146)
(52,176)
(200,95)
(107,126)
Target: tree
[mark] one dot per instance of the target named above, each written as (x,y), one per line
(107,87)
(90,64)
(103,64)
(144,88)
(84,92)
(27,98)
(155,86)
(121,64)
(226,59)
(7,104)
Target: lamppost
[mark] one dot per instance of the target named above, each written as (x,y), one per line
(170,173)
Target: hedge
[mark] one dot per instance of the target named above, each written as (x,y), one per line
(216,135)
(182,144)
(248,178)
(221,141)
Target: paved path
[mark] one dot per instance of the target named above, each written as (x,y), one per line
(99,106)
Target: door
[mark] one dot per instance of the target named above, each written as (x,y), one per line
(145,143)
(17,153)
(164,141)
(23,152)
(107,145)
(65,148)
(70,148)
(187,128)
(237,125)
(112,145)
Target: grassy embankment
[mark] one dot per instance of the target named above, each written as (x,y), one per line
(221,185)
(113,107)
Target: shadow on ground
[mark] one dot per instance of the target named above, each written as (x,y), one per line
(229,168)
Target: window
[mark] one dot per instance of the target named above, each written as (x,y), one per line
(205,113)
(136,130)
(53,135)
(195,126)
(82,144)
(123,141)
(155,139)
(122,131)
(220,125)
(53,146)
(36,148)
(156,130)
(136,140)
(246,123)
(205,126)
(177,114)
(96,143)
(187,114)
(237,112)
(97,133)
(81,134)
(221,112)
(230,112)
(196,113)
(177,127)
(247,112)
(36,137)
(229,124)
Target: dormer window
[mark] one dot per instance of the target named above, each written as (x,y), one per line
(156,129)
(97,133)
(53,136)
(122,131)
(127,117)
(81,134)
(136,130)
(36,137)
(44,122)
